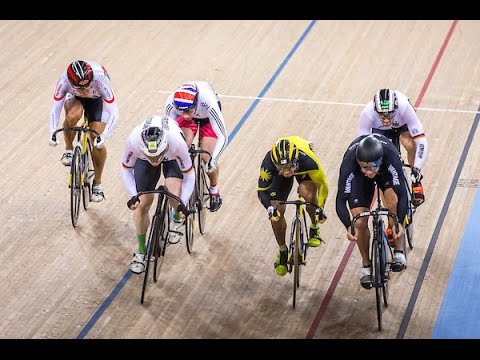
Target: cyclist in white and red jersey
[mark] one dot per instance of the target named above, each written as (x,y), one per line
(157,140)
(85,88)
(198,100)
(390,113)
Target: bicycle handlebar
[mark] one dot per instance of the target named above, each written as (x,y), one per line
(161,190)
(299,202)
(375,213)
(194,151)
(76,128)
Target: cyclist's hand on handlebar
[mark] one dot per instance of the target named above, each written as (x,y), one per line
(211,165)
(416,175)
(273,215)
(52,141)
(132,203)
(320,215)
(100,141)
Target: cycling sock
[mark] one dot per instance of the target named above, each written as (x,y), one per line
(283,247)
(213,189)
(397,251)
(141,243)
(314,226)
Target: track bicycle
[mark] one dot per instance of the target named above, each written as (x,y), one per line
(297,249)
(381,253)
(200,196)
(159,233)
(82,172)
(408,222)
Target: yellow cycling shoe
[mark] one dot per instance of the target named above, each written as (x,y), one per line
(313,242)
(314,238)
(281,263)
(281,270)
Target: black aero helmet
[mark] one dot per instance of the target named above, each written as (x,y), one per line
(370,150)
(79,73)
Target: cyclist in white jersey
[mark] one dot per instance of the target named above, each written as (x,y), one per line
(390,113)
(85,88)
(198,100)
(157,140)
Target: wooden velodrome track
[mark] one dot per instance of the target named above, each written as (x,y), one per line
(274,78)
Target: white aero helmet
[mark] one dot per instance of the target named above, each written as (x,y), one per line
(154,138)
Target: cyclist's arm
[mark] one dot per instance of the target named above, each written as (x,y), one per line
(416,132)
(129,180)
(128,162)
(58,100)
(319,178)
(110,105)
(267,171)
(188,184)
(218,125)
(399,185)
(365,123)
(342,199)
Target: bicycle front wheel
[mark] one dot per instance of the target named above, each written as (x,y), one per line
(152,244)
(75,185)
(377,280)
(163,234)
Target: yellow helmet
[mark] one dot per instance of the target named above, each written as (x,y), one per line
(284,153)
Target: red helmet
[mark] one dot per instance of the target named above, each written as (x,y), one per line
(79,73)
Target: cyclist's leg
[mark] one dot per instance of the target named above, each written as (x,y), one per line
(189,129)
(279,191)
(359,201)
(308,190)
(399,261)
(209,140)
(97,118)
(73,113)
(146,178)
(173,183)
(408,143)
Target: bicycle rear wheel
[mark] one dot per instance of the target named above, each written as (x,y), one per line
(75,185)
(163,234)
(203,195)
(152,244)
(88,173)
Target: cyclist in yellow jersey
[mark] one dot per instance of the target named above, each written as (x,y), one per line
(291,157)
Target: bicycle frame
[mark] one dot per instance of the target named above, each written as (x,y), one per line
(159,233)
(82,171)
(380,252)
(297,249)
